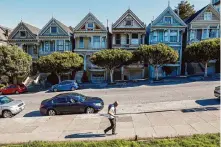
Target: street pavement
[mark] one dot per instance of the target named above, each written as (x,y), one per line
(90,127)
(142,98)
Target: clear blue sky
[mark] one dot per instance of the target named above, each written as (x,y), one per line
(70,12)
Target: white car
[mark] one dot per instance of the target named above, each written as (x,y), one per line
(10,107)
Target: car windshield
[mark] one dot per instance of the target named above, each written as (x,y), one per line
(5,100)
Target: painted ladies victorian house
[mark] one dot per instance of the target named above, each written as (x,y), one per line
(90,36)
(167,28)
(54,37)
(128,32)
(25,36)
(204,24)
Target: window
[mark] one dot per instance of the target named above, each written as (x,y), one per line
(67,45)
(128,39)
(52,46)
(53,29)
(128,23)
(65,82)
(103,42)
(60,44)
(5,100)
(22,34)
(135,40)
(167,19)
(212,33)
(118,39)
(25,48)
(192,35)
(204,36)
(81,42)
(173,36)
(166,36)
(154,36)
(208,16)
(47,46)
(90,26)
(35,50)
(60,100)
(96,42)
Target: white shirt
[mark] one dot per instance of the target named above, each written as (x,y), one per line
(112,111)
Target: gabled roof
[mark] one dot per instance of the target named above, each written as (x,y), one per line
(32,29)
(64,27)
(125,15)
(192,17)
(83,21)
(172,12)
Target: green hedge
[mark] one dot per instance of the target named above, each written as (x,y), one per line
(208,140)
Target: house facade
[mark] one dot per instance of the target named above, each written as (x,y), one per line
(54,37)
(167,28)
(24,35)
(128,32)
(204,24)
(90,36)
(216,4)
(4,33)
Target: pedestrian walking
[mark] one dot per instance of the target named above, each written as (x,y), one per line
(112,118)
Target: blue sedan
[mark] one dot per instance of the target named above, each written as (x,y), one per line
(67,85)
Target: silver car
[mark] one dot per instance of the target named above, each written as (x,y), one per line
(217,92)
(10,107)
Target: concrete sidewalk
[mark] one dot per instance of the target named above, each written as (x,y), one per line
(90,127)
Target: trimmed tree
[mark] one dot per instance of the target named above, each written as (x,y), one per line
(203,52)
(156,55)
(185,9)
(58,63)
(14,62)
(111,59)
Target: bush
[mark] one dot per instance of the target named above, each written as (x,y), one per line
(2,85)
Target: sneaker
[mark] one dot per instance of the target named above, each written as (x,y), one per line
(105,133)
(114,133)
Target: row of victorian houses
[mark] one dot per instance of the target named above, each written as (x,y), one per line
(128,32)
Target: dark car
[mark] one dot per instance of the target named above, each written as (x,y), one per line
(71,103)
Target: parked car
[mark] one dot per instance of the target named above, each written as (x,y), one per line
(13,89)
(71,103)
(217,92)
(67,85)
(10,107)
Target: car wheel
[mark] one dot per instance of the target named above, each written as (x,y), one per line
(55,90)
(51,112)
(7,114)
(16,92)
(89,110)
(72,89)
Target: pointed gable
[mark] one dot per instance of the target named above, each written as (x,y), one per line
(128,20)
(199,15)
(90,23)
(55,28)
(168,18)
(24,31)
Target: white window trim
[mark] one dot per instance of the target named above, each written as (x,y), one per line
(90,27)
(25,34)
(206,17)
(56,29)
(176,36)
(165,21)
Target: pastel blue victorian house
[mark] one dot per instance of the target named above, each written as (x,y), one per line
(167,28)
(54,37)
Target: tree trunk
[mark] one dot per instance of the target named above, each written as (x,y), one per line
(156,69)
(59,77)
(205,71)
(111,75)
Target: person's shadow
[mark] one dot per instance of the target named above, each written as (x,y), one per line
(84,135)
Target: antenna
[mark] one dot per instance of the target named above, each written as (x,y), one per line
(21,19)
(107,22)
(168,3)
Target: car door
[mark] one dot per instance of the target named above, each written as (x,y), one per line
(63,85)
(75,106)
(60,104)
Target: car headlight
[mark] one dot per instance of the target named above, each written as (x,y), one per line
(97,104)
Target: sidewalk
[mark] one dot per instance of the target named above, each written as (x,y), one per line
(90,127)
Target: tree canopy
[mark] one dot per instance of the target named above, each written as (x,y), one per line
(185,9)
(58,62)
(203,52)
(14,62)
(111,59)
(156,55)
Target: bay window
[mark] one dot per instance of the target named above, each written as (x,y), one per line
(212,33)
(135,40)
(192,35)
(154,36)
(47,46)
(118,39)
(173,36)
(96,41)
(81,42)
(67,45)
(60,45)
(204,34)
(166,36)
(103,42)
